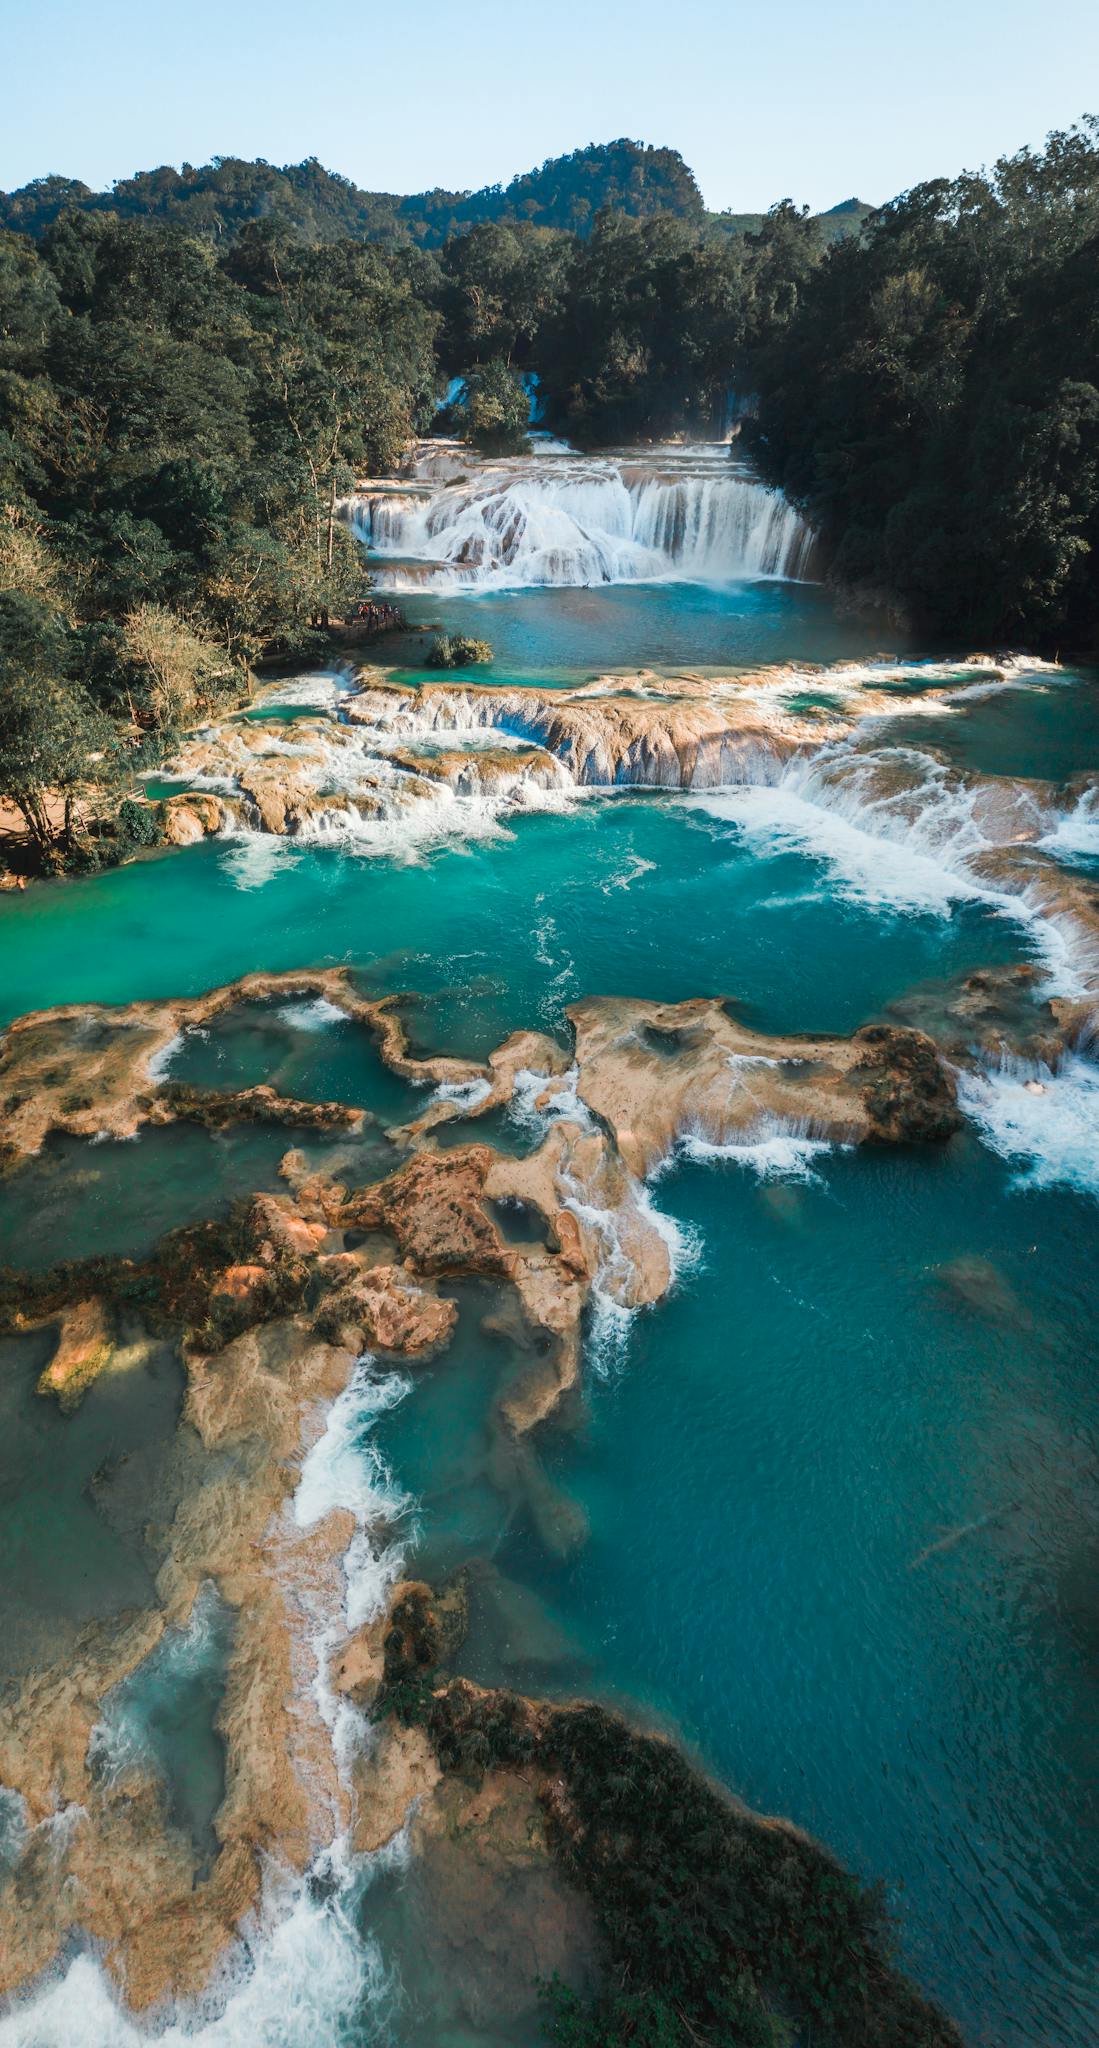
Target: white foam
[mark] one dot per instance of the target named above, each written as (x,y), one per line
(611,1309)
(631,871)
(684,1246)
(344,1469)
(582,521)
(321,688)
(539,1100)
(896,829)
(771,1150)
(412,818)
(865,868)
(252,859)
(465,1095)
(315,1015)
(1067,948)
(899,830)
(1075,836)
(1045,1122)
(608,1334)
(159,1062)
(303,1976)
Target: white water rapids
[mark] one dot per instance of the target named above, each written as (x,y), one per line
(686,514)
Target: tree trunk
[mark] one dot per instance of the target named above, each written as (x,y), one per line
(38,825)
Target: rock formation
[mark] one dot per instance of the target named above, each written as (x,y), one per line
(270,1310)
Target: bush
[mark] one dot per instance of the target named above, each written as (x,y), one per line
(182,671)
(137,824)
(457,650)
(643,2019)
(495,409)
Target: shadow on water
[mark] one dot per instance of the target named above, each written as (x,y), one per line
(78,1496)
(1048,729)
(566,635)
(85,1198)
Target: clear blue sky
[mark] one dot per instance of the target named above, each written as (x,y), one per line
(814,101)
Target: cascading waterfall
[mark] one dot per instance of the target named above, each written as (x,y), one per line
(567,520)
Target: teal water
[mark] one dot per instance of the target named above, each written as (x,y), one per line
(86,1199)
(814,1410)
(500,934)
(831,1511)
(301,1047)
(559,634)
(163,1720)
(1048,728)
(77,1494)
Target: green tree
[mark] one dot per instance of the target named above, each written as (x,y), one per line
(500,285)
(931,399)
(495,410)
(646,333)
(50,734)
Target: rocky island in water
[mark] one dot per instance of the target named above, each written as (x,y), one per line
(547,1290)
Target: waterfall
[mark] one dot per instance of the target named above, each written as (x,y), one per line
(687,514)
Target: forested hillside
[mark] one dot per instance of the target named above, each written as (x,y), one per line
(848,218)
(216,200)
(173,436)
(219,198)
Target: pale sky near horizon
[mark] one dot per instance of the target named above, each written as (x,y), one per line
(812,102)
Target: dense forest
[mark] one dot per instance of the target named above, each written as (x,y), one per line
(933,400)
(216,200)
(174,434)
(182,405)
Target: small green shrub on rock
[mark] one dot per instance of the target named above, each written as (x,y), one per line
(138,824)
(457,650)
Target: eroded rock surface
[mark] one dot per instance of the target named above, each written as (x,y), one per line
(93,1069)
(84,1346)
(657,1072)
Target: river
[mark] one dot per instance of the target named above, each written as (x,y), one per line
(838,1493)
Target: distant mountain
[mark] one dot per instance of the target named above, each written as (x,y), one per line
(833,226)
(320,206)
(567,192)
(843,220)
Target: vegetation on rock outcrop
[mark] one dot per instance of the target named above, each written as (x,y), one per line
(717,1925)
(457,650)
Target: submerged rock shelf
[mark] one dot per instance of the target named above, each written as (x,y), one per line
(272,1309)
